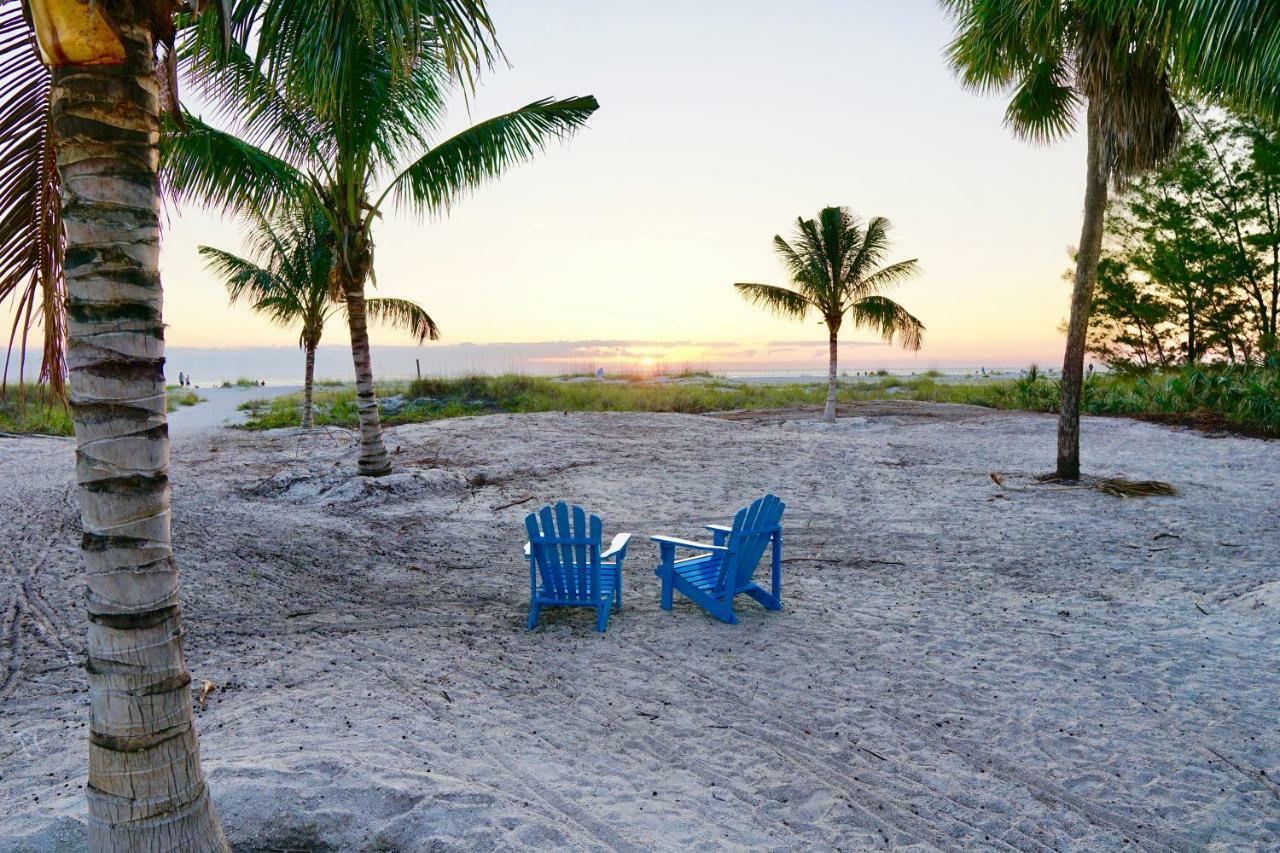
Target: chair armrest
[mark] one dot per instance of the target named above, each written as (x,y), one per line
(719,533)
(617,546)
(685,543)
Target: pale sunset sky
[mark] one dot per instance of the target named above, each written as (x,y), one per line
(721,121)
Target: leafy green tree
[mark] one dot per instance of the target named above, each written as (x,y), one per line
(1236,162)
(835,265)
(1197,240)
(289,283)
(319,128)
(1057,58)
(1129,327)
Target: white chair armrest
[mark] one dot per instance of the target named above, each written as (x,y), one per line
(685,543)
(619,542)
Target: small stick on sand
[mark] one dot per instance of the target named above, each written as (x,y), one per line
(208,688)
(516,502)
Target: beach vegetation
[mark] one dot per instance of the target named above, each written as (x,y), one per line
(1243,399)
(33,409)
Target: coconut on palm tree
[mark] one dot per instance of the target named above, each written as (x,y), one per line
(325,129)
(836,264)
(1059,58)
(289,283)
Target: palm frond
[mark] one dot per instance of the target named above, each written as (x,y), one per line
(991,45)
(482,152)
(1228,50)
(889,319)
(289,281)
(404,315)
(886,277)
(870,244)
(1118,57)
(31,234)
(779,300)
(1044,104)
(244,278)
(799,267)
(216,168)
(307,47)
(245,100)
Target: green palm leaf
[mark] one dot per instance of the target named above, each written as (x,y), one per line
(886,277)
(404,315)
(484,151)
(218,169)
(786,303)
(311,48)
(244,278)
(888,319)
(244,99)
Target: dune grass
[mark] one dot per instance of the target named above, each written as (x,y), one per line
(31,411)
(182,398)
(1239,399)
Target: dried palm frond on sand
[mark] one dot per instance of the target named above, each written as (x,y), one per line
(1116,486)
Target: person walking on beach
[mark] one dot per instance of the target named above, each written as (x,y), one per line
(181,383)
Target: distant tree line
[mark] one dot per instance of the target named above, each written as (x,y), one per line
(1190,270)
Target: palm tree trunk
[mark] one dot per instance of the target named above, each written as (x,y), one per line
(374,461)
(308,387)
(829,413)
(145,789)
(1095,207)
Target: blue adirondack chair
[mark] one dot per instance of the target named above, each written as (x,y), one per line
(726,566)
(568,559)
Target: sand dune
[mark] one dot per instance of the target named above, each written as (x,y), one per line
(958,665)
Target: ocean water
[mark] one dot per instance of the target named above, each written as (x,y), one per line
(282,365)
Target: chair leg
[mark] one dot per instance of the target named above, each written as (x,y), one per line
(725,613)
(770,602)
(602,618)
(533,616)
(617,590)
(667,587)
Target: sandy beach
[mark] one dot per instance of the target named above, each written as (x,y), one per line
(958,664)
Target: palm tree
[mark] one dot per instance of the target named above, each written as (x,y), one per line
(290,284)
(322,129)
(835,267)
(1057,57)
(145,788)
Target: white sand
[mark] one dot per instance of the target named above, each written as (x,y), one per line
(956,666)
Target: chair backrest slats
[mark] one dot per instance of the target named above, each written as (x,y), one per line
(565,546)
(753,529)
